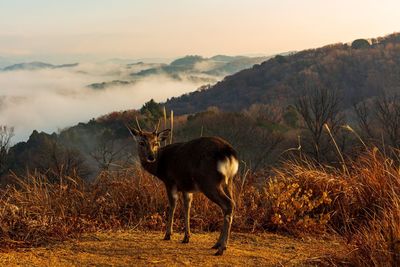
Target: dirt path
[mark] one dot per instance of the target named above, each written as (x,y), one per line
(135,248)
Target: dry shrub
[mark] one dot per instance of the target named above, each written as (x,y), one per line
(331,191)
(35,211)
(365,206)
(281,204)
(297,208)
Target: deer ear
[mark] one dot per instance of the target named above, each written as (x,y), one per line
(164,134)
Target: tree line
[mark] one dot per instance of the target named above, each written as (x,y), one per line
(315,125)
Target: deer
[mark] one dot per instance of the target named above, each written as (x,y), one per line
(206,164)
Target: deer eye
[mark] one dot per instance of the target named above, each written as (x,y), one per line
(141,143)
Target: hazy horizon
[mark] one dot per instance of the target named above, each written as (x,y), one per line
(97,30)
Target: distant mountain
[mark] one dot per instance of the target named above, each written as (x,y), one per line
(193,68)
(123,61)
(224,58)
(215,66)
(104,85)
(36,65)
(144,65)
(71,65)
(360,70)
(187,62)
(4,62)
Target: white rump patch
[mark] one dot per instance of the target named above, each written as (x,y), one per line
(228,168)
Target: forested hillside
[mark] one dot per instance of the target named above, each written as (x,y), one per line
(359,70)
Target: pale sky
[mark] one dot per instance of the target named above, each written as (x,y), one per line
(173,28)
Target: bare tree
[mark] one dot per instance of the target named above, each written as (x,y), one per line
(109,151)
(66,161)
(263,113)
(57,160)
(6,134)
(317,107)
(388,115)
(364,118)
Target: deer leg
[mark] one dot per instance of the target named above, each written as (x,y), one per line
(228,217)
(219,197)
(218,243)
(228,191)
(172,198)
(187,202)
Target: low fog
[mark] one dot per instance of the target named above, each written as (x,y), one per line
(52,99)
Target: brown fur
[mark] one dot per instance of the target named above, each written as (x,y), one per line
(189,167)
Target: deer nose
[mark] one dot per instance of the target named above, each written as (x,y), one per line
(151,158)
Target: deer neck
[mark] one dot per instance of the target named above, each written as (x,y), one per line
(151,167)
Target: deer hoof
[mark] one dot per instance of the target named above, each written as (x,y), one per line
(185,240)
(216,246)
(219,252)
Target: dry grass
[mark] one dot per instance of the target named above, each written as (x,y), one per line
(35,212)
(365,207)
(145,248)
(360,202)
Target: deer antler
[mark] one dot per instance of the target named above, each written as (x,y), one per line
(129,129)
(137,124)
(156,127)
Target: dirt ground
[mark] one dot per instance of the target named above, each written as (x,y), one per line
(137,248)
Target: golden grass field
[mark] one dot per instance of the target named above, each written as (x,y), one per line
(146,248)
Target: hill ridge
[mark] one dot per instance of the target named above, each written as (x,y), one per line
(360,70)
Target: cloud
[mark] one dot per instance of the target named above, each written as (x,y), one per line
(206,65)
(49,100)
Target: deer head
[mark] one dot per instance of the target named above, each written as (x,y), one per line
(148,142)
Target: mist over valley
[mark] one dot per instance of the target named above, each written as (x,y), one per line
(48,97)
